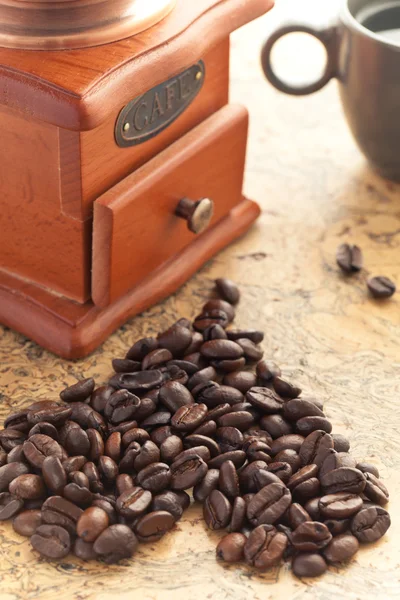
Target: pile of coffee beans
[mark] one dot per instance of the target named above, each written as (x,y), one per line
(350,259)
(194,411)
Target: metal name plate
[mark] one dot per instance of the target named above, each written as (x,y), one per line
(146,116)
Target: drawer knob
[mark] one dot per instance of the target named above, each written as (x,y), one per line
(197,214)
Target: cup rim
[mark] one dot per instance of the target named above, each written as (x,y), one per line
(352,22)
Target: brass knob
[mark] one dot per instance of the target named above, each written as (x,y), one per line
(197,214)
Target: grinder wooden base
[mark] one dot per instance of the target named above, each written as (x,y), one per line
(73,330)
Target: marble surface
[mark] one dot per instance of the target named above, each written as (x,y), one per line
(326,332)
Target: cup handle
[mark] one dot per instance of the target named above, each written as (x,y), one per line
(328,36)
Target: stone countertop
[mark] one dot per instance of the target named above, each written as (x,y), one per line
(323,329)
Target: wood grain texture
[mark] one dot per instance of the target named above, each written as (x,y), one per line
(104,163)
(40,239)
(135,229)
(324,330)
(79,89)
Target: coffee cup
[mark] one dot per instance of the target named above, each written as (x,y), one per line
(363,54)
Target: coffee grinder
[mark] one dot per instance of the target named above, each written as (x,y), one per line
(121,159)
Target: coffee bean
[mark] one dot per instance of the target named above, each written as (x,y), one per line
(136,434)
(152,527)
(315,448)
(213,395)
(187,471)
(155,477)
(9,472)
(370,524)
(307,425)
(228,480)
(158,435)
(298,408)
(27,522)
(78,392)
(142,347)
(59,511)
(176,339)
(219,305)
(296,515)
(44,428)
(92,523)
(18,421)
(310,536)
(367,468)
(284,388)
(266,370)
(276,425)
(252,352)
(77,442)
(10,438)
(189,417)
(121,406)
(108,469)
(10,505)
(228,290)
(28,487)
(56,415)
(231,547)
(134,502)
(217,510)
(123,483)
(344,479)
(211,317)
(174,395)
(123,365)
(238,517)
(291,441)
(221,350)
(138,383)
(269,504)
(240,380)
(341,548)
(171,448)
(251,334)
(265,547)
(157,419)
(308,564)
(51,541)
(381,287)
(349,258)
(14,455)
(115,543)
(374,489)
(173,502)
(264,399)
(340,442)
(204,488)
(335,460)
(340,505)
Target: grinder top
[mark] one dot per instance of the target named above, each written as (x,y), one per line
(61,24)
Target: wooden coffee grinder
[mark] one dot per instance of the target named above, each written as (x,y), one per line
(121,159)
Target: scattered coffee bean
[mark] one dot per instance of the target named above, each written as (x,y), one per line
(341,548)
(265,547)
(79,392)
(370,524)
(228,290)
(349,258)
(27,522)
(152,527)
(92,523)
(381,287)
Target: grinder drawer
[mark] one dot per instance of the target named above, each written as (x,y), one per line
(136,227)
